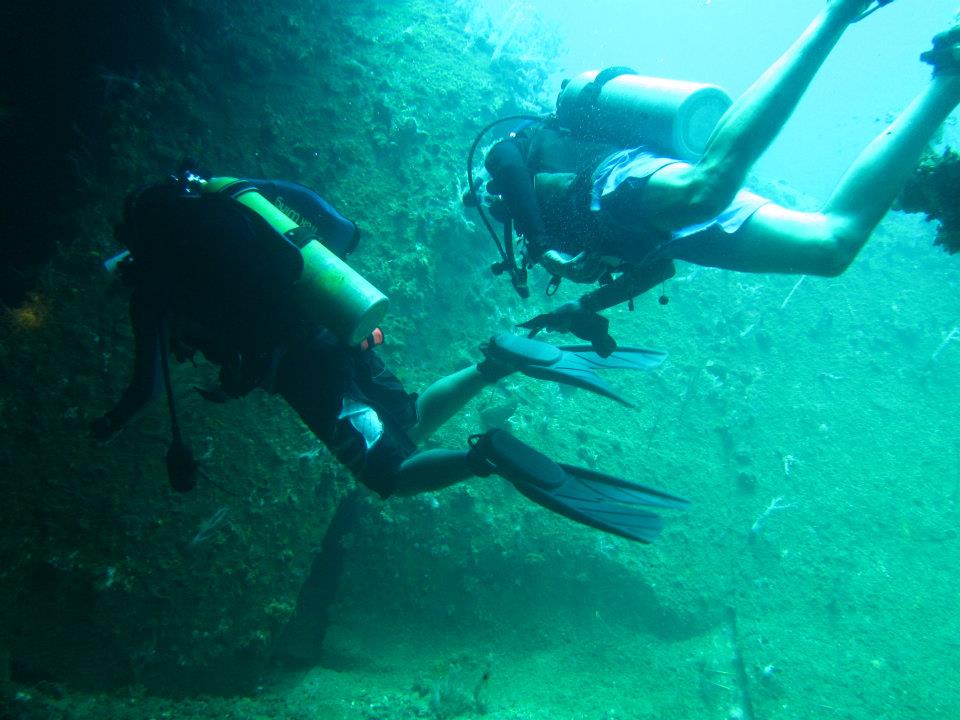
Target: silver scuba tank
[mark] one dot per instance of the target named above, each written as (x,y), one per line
(675,117)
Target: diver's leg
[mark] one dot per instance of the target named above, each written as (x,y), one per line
(780,240)
(431,470)
(444,399)
(680,194)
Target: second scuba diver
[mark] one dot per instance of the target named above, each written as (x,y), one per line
(632,173)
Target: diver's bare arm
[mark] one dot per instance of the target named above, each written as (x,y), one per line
(778,239)
(680,194)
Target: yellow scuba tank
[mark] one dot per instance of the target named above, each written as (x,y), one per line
(328,291)
(619,106)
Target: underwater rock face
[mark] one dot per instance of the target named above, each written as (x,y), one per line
(109,578)
(813,425)
(67,69)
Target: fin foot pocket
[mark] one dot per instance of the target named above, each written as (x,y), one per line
(586,496)
(568,364)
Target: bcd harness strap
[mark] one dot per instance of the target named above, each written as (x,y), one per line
(590,94)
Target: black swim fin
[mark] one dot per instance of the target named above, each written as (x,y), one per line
(592,498)
(568,364)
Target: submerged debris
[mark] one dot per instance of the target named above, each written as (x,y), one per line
(775,504)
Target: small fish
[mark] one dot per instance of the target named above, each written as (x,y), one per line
(209,526)
(112,80)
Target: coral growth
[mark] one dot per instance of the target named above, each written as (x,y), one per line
(934,190)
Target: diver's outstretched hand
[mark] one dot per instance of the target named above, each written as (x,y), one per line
(571,317)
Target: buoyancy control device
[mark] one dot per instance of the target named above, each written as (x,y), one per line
(328,290)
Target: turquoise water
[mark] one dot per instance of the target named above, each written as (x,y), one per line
(812,422)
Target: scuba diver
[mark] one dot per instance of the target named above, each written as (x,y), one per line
(632,173)
(252,274)
(220,266)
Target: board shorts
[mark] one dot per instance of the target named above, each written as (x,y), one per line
(353,404)
(618,184)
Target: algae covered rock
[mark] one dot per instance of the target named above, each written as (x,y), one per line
(934,189)
(108,577)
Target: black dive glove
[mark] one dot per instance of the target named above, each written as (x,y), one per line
(571,317)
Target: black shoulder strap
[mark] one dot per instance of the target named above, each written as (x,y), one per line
(591,92)
(309,210)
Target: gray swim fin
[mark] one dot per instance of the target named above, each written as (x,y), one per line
(568,364)
(591,498)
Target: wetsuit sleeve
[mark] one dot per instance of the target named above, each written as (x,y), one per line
(630,284)
(146,383)
(514,181)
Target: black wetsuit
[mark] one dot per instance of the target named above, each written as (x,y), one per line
(564,221)
(219,278)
